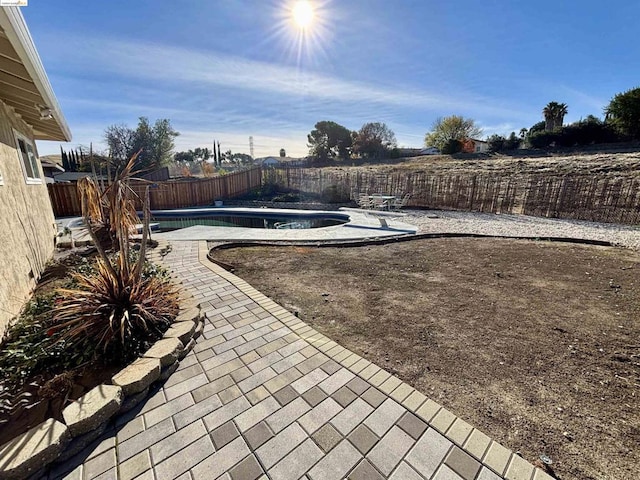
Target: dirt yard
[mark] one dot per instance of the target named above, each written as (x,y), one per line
(522,162)
(535,343)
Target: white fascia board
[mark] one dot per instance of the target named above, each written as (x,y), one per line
(16,30)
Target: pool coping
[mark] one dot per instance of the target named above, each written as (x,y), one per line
(362,224)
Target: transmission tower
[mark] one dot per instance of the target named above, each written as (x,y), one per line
(251,146)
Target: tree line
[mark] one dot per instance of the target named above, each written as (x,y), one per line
(155,142)
(621,123)
(329,141)
(207,162)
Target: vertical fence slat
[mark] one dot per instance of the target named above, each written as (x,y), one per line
(167,194)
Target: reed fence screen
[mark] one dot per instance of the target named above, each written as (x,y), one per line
(600,198)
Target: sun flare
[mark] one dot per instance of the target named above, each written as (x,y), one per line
(304,29)
(303,14)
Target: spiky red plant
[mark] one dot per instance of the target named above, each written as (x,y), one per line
(117,306)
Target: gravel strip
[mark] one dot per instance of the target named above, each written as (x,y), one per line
(439,221)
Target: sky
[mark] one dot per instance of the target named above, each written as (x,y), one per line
(231,69)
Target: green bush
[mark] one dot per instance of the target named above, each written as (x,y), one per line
(584,132)
(623,113)
(452,146)
(31,346)
(543,139)
(587,132)
(537,127)
(498,143)
(34,345)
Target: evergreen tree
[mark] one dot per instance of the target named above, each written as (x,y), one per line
(65,160)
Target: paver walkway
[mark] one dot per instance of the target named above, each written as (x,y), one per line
(263,395)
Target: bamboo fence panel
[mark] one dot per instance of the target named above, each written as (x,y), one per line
(599,198)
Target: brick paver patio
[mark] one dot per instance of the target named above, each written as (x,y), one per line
(263,395)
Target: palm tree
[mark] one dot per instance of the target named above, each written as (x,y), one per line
(554,114)
(561,111)
(549,113)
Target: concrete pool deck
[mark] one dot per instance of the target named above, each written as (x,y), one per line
(366,225)
(362,224)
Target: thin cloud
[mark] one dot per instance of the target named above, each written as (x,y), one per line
(598,104)
(208,94)
(182,66)
(265,142)
(500,129)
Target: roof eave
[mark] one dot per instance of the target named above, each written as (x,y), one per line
(16,30)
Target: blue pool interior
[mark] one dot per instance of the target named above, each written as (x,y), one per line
(247,218)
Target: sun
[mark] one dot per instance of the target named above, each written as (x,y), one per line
(303,27)
(303,13)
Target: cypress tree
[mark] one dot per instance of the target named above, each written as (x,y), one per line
(65,160)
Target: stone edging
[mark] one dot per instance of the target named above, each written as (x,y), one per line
(472,441)
(86,418)
(222,245)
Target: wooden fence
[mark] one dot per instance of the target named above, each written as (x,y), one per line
(602,198)
(167,195)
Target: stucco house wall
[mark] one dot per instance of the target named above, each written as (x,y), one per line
(27,227)
(29,111)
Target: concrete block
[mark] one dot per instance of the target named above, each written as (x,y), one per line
(337,463)
(187,348)
(166,372)
(166,350)
(386,455)
(189,315)
(137,376)
(92,409)
(182,330)
(132,401)
(27,453)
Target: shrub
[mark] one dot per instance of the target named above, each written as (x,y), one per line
(119,315)
(542,139)
(623,113)
(496,143)
(118,307)
(537,127)
(29,348)
(584,132)
(452,146)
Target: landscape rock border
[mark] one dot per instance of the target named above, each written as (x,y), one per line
(364,242)
(50,441)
